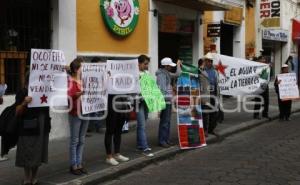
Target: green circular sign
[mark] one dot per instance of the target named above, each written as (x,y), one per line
(120,16)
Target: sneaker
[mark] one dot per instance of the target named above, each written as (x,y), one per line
(112,161)
(121,158)
(141,149)
(148,153)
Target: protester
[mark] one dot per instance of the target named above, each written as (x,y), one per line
(204,92)
(118,113)
(78,126)
(164,82)
(263,96)
(95,121)
(142,113)
(34,127)
(285,106)
(213,91)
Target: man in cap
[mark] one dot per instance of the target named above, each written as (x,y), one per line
(164,82)
(214,92)
(286,105)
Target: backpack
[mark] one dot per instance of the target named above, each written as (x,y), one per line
(7,120)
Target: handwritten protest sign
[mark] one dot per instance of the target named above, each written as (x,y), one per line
(94,85)
(152,95)
(288,87)
(239,76)
(124,76)
(48,78)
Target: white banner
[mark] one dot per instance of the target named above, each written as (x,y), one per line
(48,78)
(288,87)
(124,76)
(239,76)
(94,86)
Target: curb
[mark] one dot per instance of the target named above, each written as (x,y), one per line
(136,164)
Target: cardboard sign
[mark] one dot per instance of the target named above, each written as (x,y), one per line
(123,76)
(48,78)
(94,86)
(152,95)
(288,87)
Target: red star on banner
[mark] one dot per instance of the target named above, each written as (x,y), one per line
(221,68)
(44,99)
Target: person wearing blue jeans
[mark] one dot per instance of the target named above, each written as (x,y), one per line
(78,127)
(164,82)
(164,125)
(142,116)
(142,113)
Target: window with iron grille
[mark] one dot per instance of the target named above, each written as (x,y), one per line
(24,24)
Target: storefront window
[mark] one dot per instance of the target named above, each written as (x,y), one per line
(24,24)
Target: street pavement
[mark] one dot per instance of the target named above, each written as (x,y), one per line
(56,172)
(266,155)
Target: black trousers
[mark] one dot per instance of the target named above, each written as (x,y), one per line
(205,117)
(284,108)
(212,116)
(114,124)
(259,103)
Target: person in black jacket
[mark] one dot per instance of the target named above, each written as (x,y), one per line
(286,105)
(33,129)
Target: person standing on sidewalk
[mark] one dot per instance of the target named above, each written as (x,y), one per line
(118,113)
(95,121)
(164,82)
(78,126)
(204,93)
(214,93)
(264,96)
(34,125)
(285,106)
(142,113)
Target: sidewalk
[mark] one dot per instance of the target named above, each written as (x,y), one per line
(56,172)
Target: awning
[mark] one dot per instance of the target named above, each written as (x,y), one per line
(296,30)
(201,5)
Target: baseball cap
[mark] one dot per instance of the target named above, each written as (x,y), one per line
(209,56)
(284,65)
(167,62)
